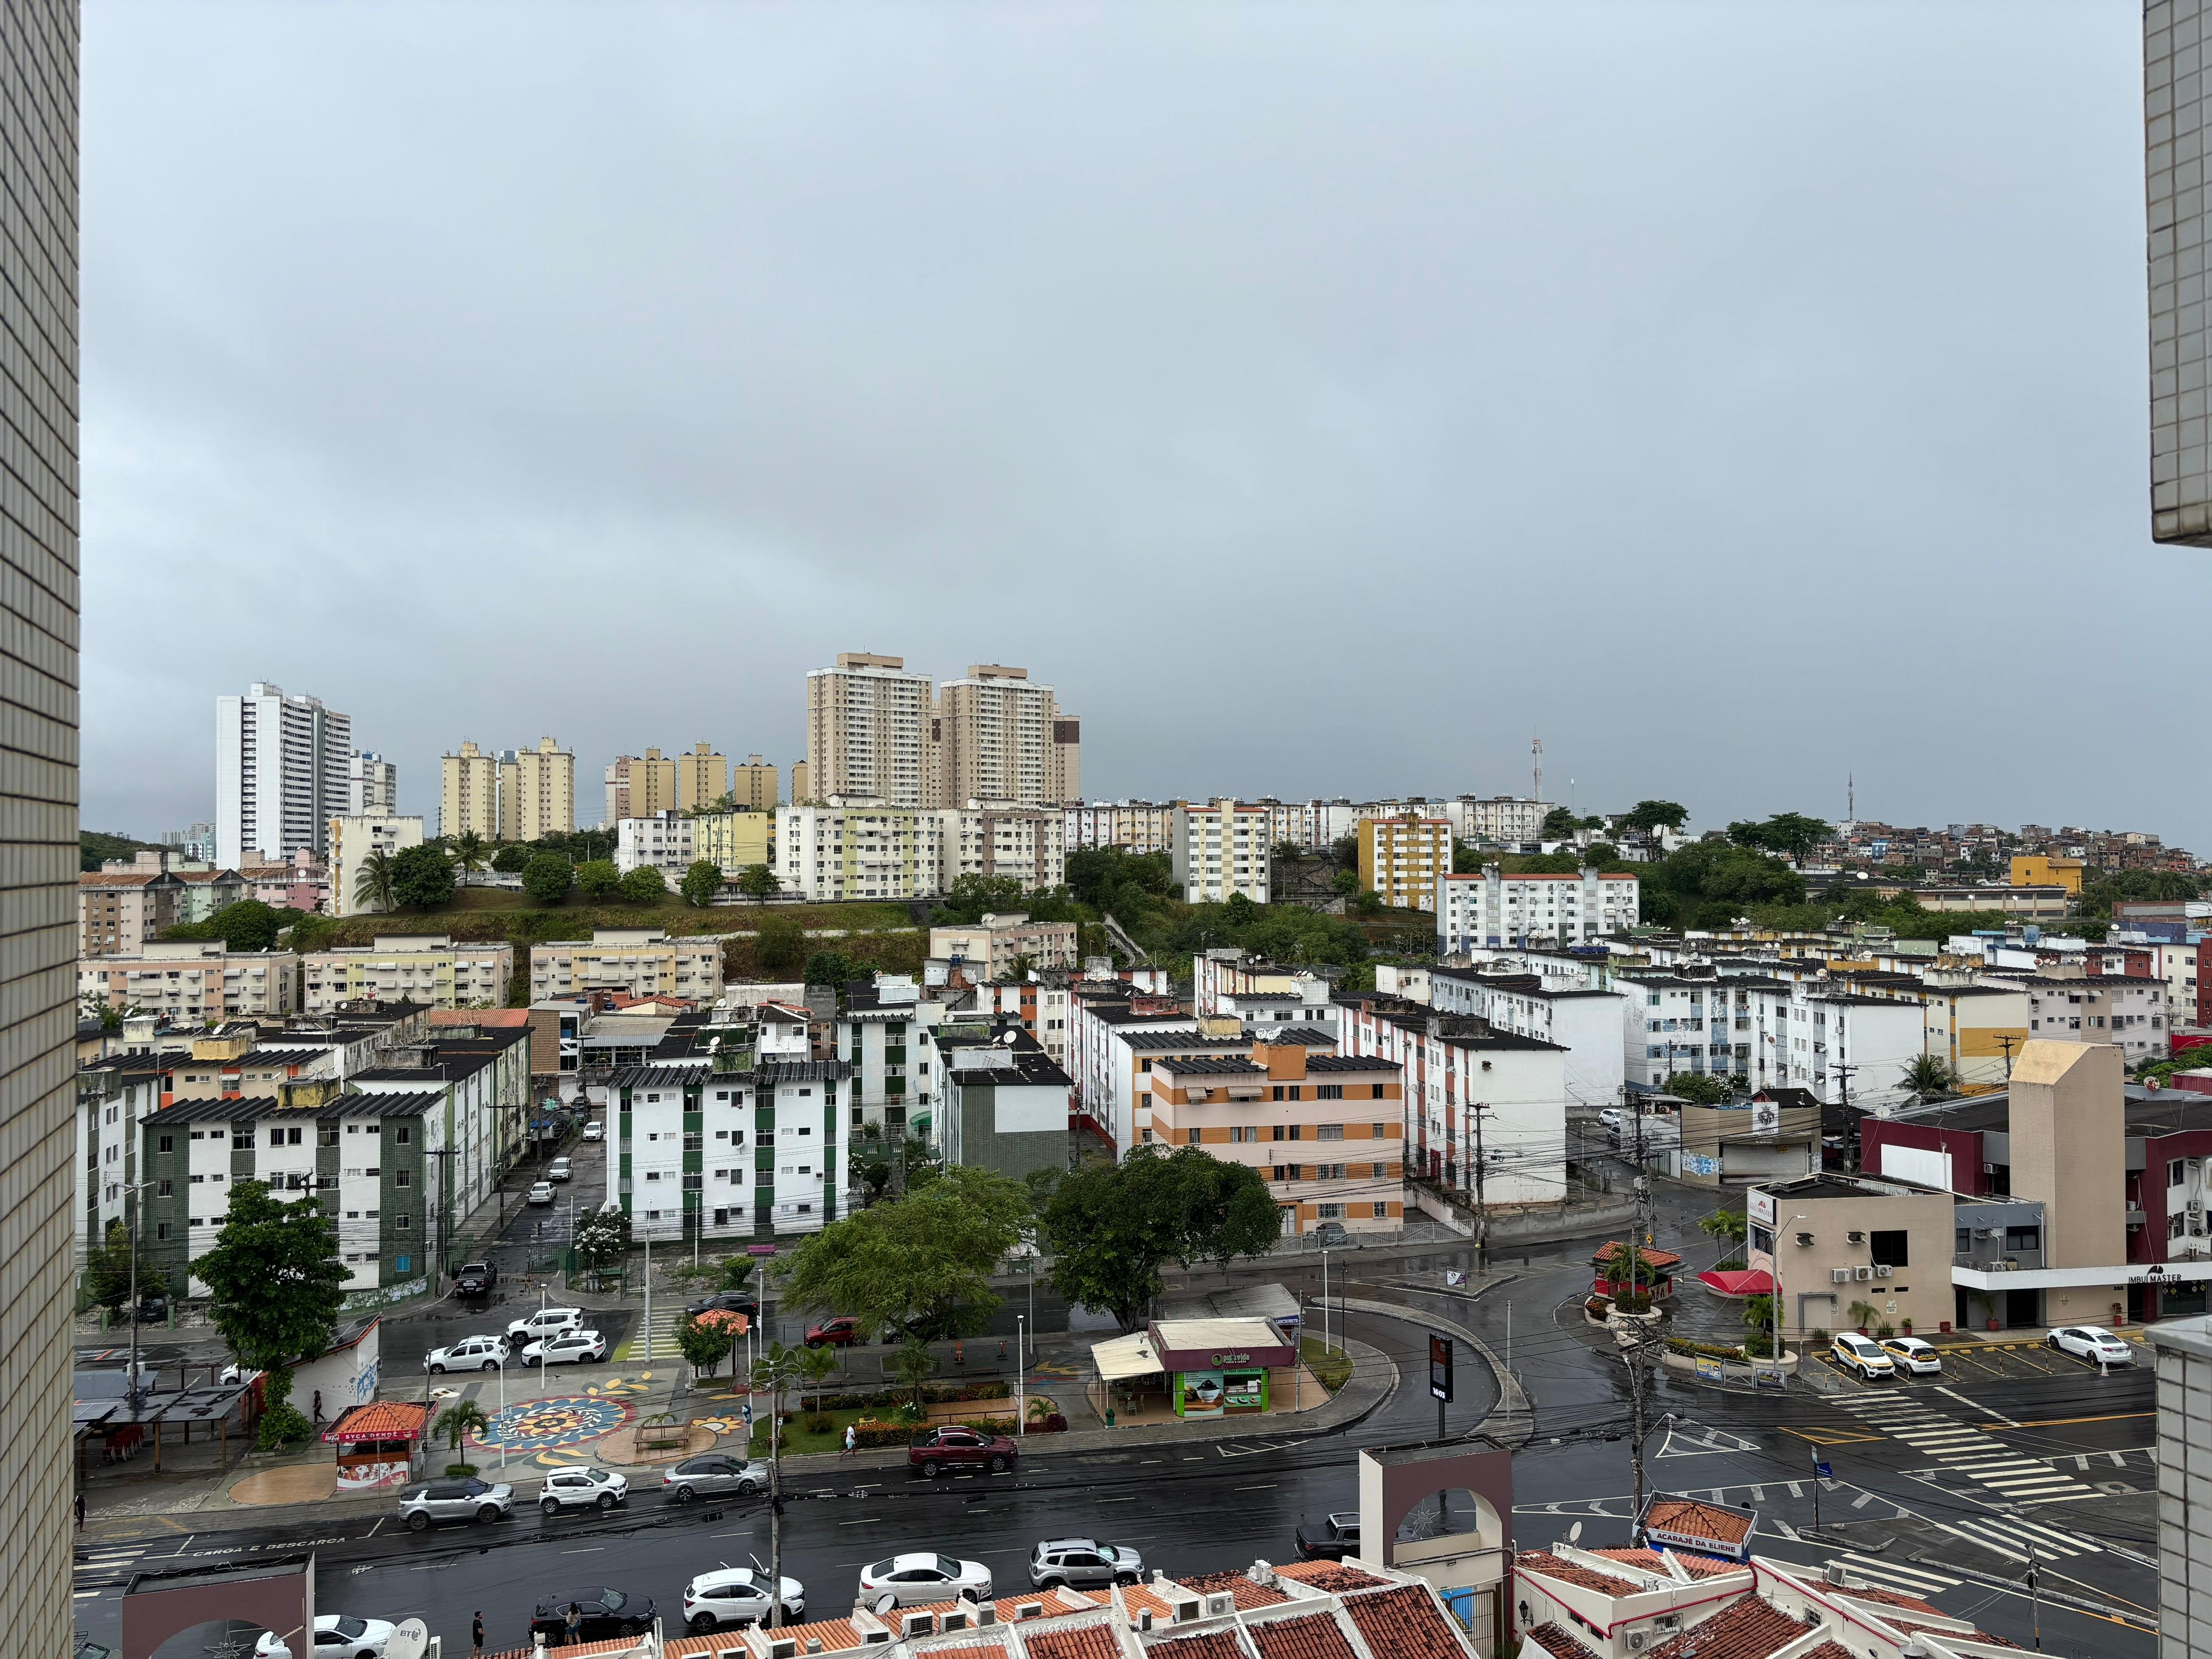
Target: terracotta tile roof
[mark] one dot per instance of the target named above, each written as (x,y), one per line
(1333,1577)
(1057,1603)
(383,1420)
(834,1634)
(1890,1598)
(1141,1598)
(1693,1519)
(1248,1594)
(996,1650)
(1545,1564)
(1208,1644)
(1939,1633)
(1826,1650)
(1560,1642)
(1316,1635)
(1092,1641)
(117,878)
(1698,1566)
(1748,1628)
(1406,1624)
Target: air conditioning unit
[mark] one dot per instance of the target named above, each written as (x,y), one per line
(1839,1275)
(1881,1270)
(1988,1169)
(1637,1639)
(1855,1237)
(1863,1273)
(2195,1207)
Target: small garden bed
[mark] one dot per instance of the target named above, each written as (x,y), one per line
(1333,1370)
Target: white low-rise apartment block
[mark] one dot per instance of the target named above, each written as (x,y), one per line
(991,948)
(425,968)
(1135,826)
(1590,1024)
(638,962)
(2127,1013)
(664,841)
(1112,1089)
(884,1037)
(1839,1045)
(113,1096)
(194,982)
(1226,971)
(1219,850)
(855,849)
(353,838)
(1025,843)
(1494,908)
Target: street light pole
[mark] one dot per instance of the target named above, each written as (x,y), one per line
(1021,1377)
(137,1391)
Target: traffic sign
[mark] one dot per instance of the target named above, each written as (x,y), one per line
(1822,1471)
(1440,1368)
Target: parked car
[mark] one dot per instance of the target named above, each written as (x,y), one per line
(475,1279)
(1913,1354)
(937,1452)
(1330,1233)
(470,1353)
(455,1500)
(541,1192)
(153,1307)
(567,1348)
(714,1474)
(726,1302)
(911,1580)
(337,1636)
(2093,1343)
(546,1322)
(738,1596)
(583,1489)
(1083,1563)
(558,1170)
(1852,1353)
(595,1131)
(1614,1119)
(838,1333)
(605,1613)
(1331,1539)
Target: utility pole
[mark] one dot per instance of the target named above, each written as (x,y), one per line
(1481,1205)
(2005,1041)
(1635,1357)
(1851,1130)
(2035,1595)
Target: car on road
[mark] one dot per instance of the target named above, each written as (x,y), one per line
(470,1353)
(1083,1563)
(726,1302)
(1331,1539)
(541,1192)
(595,1131)
(546,1322)
(838,1333)
(937,1452)
(1329,1233)
(1914,1354)
(337,1636)
(583,1489)
(714,1474)
(567,1348)
(455,1500)
(738,1596)
(475,1279)
(1852,1353)
(1614,1118)
(558,1170)
(605,1613)
(2093,1343)
(907,1581)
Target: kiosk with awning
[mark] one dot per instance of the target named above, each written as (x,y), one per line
(1219,1367)
(377,1443)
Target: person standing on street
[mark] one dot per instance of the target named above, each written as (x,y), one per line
(852,1445)
(475,1633)
(80,1508)
(575,1622)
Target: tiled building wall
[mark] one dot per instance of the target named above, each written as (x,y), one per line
(2175,141)
(2185,1487)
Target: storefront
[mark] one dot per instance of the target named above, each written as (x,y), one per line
(377,1444)
(1219,1367)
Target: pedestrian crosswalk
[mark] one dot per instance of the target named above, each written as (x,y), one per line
(662,1324)
(109,1564)
(1963,1450)
(1894,1574)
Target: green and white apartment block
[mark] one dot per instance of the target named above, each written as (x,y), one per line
(424,968)
(884,1033)
(113,1096)
(859,850)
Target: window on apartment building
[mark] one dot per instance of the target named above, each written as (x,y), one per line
(2173,1170)
(403,1178)
(2023,1238)
(165,1188)
(401,1223)
(161,1229)
(403,1133)
(1329,1211)
(1887,1248)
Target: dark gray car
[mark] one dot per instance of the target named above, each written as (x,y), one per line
(715,1475)
(455,1500)
(1084,1564)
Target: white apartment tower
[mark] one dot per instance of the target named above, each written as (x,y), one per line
(282,773)
(868,733)
(371,785)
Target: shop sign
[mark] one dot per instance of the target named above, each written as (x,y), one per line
(1222,1359)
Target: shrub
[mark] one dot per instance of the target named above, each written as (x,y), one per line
(281,1425)
(548,878)
(597,878)
(1054,1423)
(1598,1307)
(1759,1344)
(459,1470)
(819,1423)
(1683,1345)
(644,886)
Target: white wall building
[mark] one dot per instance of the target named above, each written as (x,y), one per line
(1221,848)
(194,982)
(372,784)
(282,772)
(425,968)
(664,841)
(1494,908)
(855,849)
(1025,843)
(353,837)
(113,1097)
(758,1153)
(1512,820)
(2127,1012)
(1590,1024)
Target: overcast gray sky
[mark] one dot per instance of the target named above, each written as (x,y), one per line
(1324,399)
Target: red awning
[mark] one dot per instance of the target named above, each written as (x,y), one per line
(1738,1281)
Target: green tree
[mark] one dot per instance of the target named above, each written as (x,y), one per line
(460,1420)
(469,853)
(1700,1087)
(818,1365)
(913,1365)
(421,879)
(833,968)
(1791,833)
(107,1270)
(1730,1226)
(602,1238)
(1650,815)
(701,881)
(512,859)
(1709,883)
(781,944)
(1560,825)
(376,883)
(758,883)
(971,898)
(547,878)
(248,925)
(1345,882)
(645,885)
(705,1341)
(599,879)
(1114,1226)
(275,1278)
(920,1265)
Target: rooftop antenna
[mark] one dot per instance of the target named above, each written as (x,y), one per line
(1536,749)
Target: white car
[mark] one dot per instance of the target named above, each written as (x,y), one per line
(737,1596)
(583,1489)
(337,1636)
(558,1170)
(1911,1353)
(910,1581)
(568,1348)
(1611,1118)
(546,1322)
(595,1131)
(1862,1354)
(472,1353)
(2093,1343)
(541,1192)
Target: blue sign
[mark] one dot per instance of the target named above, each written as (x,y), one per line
(1822,1472)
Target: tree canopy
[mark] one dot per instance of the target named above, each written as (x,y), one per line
(1709,883)
(920,1265)
(2136,886)
(512,858)
(1114,1226)
(275,1276)
(248,925)
(700,883)
(757,882)
(645,885)
(1650,815)
(599,879)
(1791,834)
(1559,824)
(780,945)
(547,878)
(423,878)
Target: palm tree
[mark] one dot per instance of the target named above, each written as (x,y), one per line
(815,1366)
(459,1421)
(1930,1074)
(1732,1227)
(373,883)
(468,852)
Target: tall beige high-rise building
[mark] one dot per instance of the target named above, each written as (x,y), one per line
(640,787)
(703,777)
(537,791)
(753,783)
(802,782)
(1002,738)
(868,732)
(38,822)
(468,794)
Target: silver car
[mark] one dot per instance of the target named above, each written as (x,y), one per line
(1083,1563)
(583,1489)
(455,1500)
(714,1475)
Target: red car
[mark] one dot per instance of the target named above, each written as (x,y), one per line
(838,1333)
(937,1452)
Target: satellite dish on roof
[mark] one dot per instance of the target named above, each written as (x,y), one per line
(411,1640)
(1574,1536)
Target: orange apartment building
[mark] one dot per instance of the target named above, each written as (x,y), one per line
(1326,1132)
(1401,858)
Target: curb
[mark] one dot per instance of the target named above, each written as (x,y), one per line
(1516,1413)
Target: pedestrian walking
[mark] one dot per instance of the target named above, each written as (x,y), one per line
(319,1405)
(852,1445)
(1002,1350)
(80,1508)
(476,1632)
(959,1355)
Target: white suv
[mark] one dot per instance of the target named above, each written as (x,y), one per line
(583,1489)
(474,1353)
(546,1322)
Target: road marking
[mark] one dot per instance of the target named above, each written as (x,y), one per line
(2060,1422)
(1796,1489)
(1265,1486)
(1911,1579)
(1784,1528)
(1977,1406)
(869,1522)
(1830,1437)
(1862,1500)
(81,1595)
(1117,1500)
(590,1550)
(1994,1549)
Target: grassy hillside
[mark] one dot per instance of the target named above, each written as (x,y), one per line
(95,846)
(494,913)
